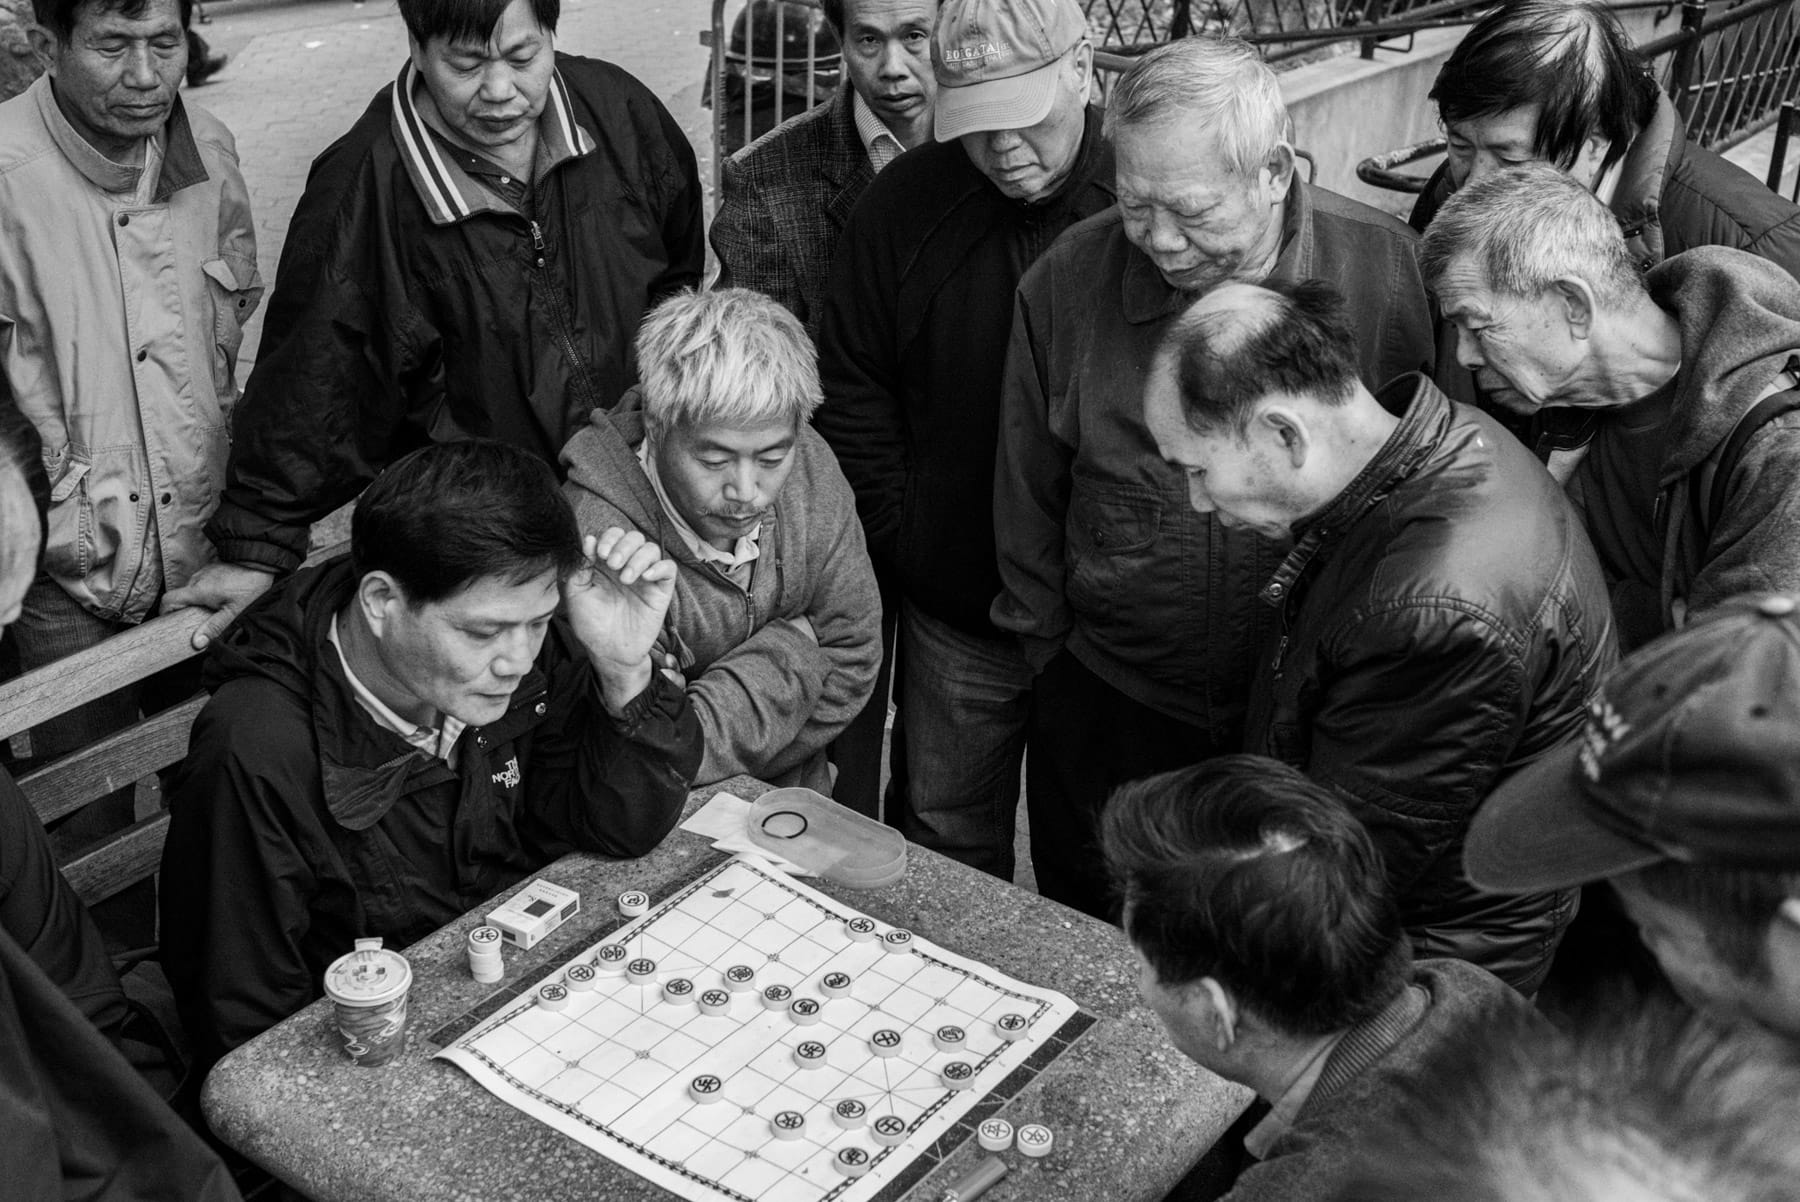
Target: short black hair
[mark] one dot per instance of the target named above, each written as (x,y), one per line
(1243,870)
(1653,1101)
(1733,905)
(1571,56)
(467,20)
(449,514)
(834,15)
(1225,361)
(60,16)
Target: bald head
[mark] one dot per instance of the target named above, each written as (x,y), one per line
(1242,342)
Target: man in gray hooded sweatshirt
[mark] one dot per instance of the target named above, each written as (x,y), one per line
(1690,485)
(775,628)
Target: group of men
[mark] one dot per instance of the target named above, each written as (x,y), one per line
(1286,553)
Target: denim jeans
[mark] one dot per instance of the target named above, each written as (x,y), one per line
(964,703)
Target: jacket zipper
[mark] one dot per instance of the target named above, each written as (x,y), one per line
(554,300)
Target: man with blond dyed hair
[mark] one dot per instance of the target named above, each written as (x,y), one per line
(1690,485)
(775,629)
(1138,615)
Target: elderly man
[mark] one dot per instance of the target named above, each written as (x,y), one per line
(1690,485)
(1271,948)
(396,736)
(127,269)
(1441,618)
(1135,613)
(785,199)
(470,260)
(919,304)
(1558,81)
(1684,794)
(776,624)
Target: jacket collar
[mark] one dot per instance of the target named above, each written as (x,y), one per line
(845,162)
(179,166)
(1368,1041)
(451,194)
(1648,163)
(1148,297)
(1421,429)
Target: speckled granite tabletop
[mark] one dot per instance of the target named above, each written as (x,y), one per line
(1131,1113)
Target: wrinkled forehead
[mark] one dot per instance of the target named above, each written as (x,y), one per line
(498,599)
(100,19)
(1463,289)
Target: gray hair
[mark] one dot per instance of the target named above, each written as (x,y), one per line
(728,357)
(1528,227)
(1219,83)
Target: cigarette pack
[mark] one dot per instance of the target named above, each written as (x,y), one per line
(533,912)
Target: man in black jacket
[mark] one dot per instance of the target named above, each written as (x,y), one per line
(471,260)
(1441,620)
(917,314)
(396,737)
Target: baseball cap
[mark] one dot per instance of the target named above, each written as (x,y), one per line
(1691,752)
(995,59)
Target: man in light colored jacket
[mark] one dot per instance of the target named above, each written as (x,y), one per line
(775,628)
(127,270)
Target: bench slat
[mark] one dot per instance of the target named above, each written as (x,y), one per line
(121,660)
(124,860)
(112,763)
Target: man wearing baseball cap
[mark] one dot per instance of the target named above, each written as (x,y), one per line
(912,355)
(1684,794)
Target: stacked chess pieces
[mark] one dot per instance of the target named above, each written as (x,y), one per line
(484,955)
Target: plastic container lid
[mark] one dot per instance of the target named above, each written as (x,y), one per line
(827,839)
(368,976)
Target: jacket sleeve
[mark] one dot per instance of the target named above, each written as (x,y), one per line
(1033,476)
(1755,543)
(345,358)
(859,367)
(845,612)
(235,877)
(754,700)
(1421,707)
(605,784)
(751,255)
(237,246)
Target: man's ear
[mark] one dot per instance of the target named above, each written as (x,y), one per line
(46,45)
(1222,1015)
(1288,426)
(378,595)
(1278,169)
(1578,305)
(1082,64)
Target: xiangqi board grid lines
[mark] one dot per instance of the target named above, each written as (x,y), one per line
(613,1068)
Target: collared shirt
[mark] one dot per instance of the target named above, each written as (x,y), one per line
(439,742)
(450,192)
(877,138)
(736,562)
(491,175)
(1285,1109)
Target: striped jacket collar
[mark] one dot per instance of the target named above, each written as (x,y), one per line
(450,194)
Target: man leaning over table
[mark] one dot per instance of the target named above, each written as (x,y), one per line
(1270,945)
(396,736)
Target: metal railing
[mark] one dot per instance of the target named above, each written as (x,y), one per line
(1728,68)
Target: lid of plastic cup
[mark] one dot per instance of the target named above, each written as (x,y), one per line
(368,976)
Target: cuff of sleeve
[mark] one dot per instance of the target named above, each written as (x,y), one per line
(256,553)
(661,697)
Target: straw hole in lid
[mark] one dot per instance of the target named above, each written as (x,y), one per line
(1759,711)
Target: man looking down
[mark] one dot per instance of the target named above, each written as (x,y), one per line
(396,736)
(776,622)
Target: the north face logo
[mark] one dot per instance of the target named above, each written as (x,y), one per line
(508,777)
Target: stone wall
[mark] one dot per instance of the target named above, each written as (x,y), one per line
(18,64)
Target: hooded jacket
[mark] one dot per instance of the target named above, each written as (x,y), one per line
(1740,330)
(768,694)
(1440,624)
(297,825)
(1673,196)
(413,305)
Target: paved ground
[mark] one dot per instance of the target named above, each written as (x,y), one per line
(301,72)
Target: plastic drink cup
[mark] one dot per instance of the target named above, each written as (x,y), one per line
(368,988)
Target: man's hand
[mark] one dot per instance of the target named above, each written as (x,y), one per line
(226,587)
(616,602)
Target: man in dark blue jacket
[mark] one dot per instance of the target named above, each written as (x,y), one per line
(471,260)
(396,737)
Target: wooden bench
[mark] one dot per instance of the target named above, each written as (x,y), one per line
(119,760)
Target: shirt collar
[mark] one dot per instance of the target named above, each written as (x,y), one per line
(1421,428)
(1285,1109)
(174,151)
(747,548)
(450,194)
(877,139)
(440,742)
